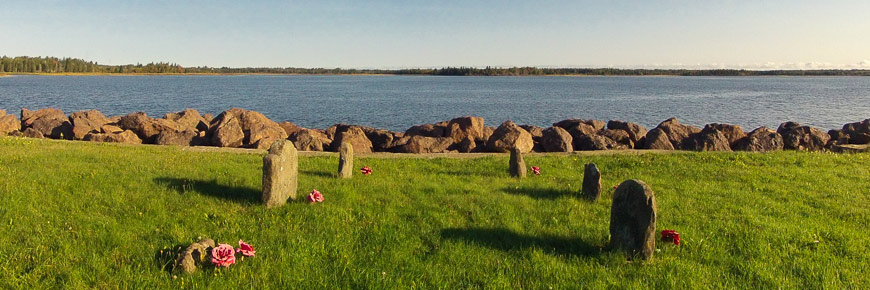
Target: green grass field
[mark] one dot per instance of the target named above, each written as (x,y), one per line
(90,215)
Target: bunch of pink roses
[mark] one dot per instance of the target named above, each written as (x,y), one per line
(315,196)
(224,255)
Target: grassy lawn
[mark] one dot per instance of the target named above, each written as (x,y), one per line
(90,215)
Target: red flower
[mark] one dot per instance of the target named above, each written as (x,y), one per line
(536,170)
(315,196)
(246,249)
(223,255)
(366,170)
(671,236)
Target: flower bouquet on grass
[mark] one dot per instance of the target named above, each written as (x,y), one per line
(224,255)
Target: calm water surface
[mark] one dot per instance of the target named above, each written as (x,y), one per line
(398,102)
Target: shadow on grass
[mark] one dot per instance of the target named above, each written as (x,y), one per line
(244,195)
(317,173)
(539,193)
(165,258)
(506,240)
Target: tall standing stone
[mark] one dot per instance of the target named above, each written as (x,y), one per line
(345,160)
(280,173)
(517,164)
(633,219)
(591,182)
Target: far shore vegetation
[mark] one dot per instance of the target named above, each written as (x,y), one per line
(75,66)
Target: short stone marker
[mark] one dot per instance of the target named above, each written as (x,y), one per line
(194,255)
(517,164)
(633,219)
(280,173)
(345,160)
(591,182)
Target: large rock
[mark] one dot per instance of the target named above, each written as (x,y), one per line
(32,133)
(226,131)
(28,116)
(428,130)
(595,142)
(147,128)
(51,123)
(466,145)
(760,140)
(803,138)
(189,119)
(633,220)
(535,131)
(596,125)
(110,129)
(187,137)
(257,130)
(557,139)
(126,137)
(732,133)
(290,128)
(310,140)
(9,124)
(421,144)
(85,122)
(677,132)
(460,128)
(382,140)
(508,136)
(280,173)
(657,139)
(838,136)
(858,132)
(709,139)
(635,132)
(356,137)
(591,182)
(620,136)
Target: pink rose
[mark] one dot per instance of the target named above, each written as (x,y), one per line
(223,255)
(246,249)
(315,196)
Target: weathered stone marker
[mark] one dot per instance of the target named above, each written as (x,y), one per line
(193,256)
(591,182)
(517,164)
(345,160)
(280,173)
(633,219)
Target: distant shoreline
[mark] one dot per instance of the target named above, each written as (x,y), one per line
(24,65)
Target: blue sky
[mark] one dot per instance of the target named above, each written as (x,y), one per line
(400,34)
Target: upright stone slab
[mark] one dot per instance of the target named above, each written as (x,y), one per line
(517,164)
(280,173)
(633,219)
(345,160)
(591,182)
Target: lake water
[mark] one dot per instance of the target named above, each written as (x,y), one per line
(398,102)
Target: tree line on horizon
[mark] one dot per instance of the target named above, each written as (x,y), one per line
(25,64)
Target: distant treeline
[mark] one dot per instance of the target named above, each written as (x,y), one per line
(24,64)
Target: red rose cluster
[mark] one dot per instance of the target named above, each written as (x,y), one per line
(671,236)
